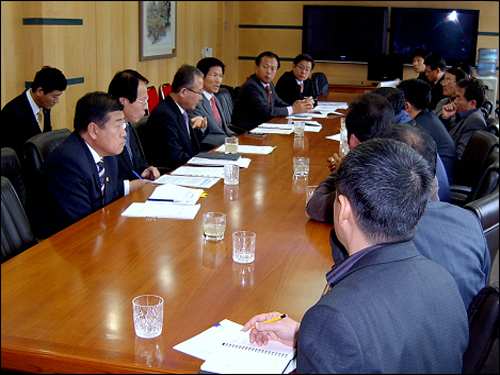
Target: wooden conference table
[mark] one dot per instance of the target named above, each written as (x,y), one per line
(66,302)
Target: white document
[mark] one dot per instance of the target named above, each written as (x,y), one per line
(199,171)
(175,194)
(301,116)
(335,137)
(242,162)
(269,125)
(249,149)
(334,105)
(161,210)
(196,182)
(393,83)
(271,131)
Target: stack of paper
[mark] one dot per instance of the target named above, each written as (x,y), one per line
(250,149)
(199,171)
(188,181)
(242,162)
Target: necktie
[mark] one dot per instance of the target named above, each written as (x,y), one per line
(214,108)
(186,121)
(127,144)
(39,118)
(301,86)
(100,171)
(268,89)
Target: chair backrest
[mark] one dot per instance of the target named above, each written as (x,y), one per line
(11,168)
(481,356)
(320,85)
(490,173)
(16,230)
(480,145)
(165,89)
(138,128)
(37,148)
(486,209)
(153,98)
(488,107)
(492,126)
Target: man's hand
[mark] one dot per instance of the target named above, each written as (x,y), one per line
(199,122)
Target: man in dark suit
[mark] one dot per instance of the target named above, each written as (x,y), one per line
(129,87)
(258,101)
(435,67)
(384,312)
(29,114)
(171,139)
(449,83)
(296,84)
(72,181)
(215,106)
(417,96)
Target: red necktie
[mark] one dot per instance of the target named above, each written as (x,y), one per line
(268,94)
(301,86)
(214,108)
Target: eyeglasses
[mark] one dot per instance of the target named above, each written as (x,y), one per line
(215,75)
(143,102)
(196,92)
(303,68)
(446,81)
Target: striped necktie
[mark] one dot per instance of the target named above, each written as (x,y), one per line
(127,144)
(100,171)
(186,121)
(39,118)
(214,108)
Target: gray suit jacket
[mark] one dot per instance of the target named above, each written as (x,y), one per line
(386,315)
(462,130)
(214,133)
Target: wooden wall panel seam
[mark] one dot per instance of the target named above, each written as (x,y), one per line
(53,21)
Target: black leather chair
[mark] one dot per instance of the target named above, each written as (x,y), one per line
(486,209)
(320,86)
(481,356)
(37,148)
(16,230)
(473,167)
(11,168)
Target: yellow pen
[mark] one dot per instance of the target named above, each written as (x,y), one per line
(272,320)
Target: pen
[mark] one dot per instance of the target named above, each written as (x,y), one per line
(160,200)
(137,175)
(272,320)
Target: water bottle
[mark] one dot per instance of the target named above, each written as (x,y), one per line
(487,61)
(344,142)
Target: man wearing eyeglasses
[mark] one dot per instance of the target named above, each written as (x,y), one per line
(449,83)
(296,84)
(435,67)
(171,138)
(129,87)
(216,106)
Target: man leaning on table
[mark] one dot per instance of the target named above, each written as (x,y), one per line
(79,177)
(384,312)
(258,101)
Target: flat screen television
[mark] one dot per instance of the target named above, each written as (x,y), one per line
(450,32)
(385,67)
(344,33)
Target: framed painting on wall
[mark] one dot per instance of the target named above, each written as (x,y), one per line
(157,29)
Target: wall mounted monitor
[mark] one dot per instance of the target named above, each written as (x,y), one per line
(450,32)
(385,67)
(344,33)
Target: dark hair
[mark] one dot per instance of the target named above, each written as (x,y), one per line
(49,79)
(94,107)
(458,73)
(417,138)
(367,114)
(474,90)
(435,61)
(185,77)
(304,57)
(422,52)
(394,96)
(466,67)
(268,54)
(416,92)
(206,63)
(125,83)
(388,185)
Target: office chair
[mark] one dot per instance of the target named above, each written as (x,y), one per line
(473,167)
(153,98)
(16,230)
(11,168)
(320,86)
(481,355)
(164,90)
(488,107)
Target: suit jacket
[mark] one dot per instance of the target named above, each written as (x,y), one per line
(69,186)
(436,94)
(386,315)
(439,106)
(19,124)
(137,163)
(461,130)
(214,132)
(252,108)
(445,145)
(168,143)
(288,90)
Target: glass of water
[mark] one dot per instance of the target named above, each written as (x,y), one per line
(214,225)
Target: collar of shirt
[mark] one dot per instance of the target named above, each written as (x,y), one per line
(341,269)
(208,95)
(298,82)
(34,107)
(464,114)
(180,108)
(265,84)
(94,153)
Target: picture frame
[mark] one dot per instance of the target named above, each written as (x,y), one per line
(157,29)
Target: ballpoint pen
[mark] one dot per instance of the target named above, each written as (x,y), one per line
(272,320)
(137,175)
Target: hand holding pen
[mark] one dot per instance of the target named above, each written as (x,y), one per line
(272,326)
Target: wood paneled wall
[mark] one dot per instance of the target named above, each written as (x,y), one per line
(107,40)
